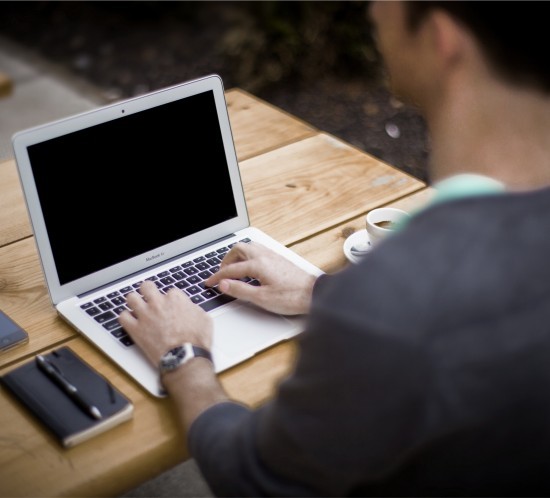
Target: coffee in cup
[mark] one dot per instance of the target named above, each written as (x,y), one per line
(381,222)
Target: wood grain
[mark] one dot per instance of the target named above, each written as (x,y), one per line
(308,186)
(115,461)
(14,221)
(24,297)
(325,250)
(123,457)
(259,127)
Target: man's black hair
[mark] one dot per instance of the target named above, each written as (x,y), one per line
(511,34)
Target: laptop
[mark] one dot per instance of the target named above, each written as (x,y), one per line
(169,156)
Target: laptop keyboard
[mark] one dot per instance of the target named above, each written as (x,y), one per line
(188,276)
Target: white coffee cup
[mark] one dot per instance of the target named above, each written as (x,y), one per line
(381,222)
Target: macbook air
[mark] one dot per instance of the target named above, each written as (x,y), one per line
(168,156)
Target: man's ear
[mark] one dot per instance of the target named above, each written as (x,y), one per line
(449,37)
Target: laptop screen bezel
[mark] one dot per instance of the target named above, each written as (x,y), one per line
(24,139)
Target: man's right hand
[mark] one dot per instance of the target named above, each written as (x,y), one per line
(284,288)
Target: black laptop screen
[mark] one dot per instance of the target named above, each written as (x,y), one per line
(128,186)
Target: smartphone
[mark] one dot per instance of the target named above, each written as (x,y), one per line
(11,334)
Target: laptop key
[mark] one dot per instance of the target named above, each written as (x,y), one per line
(193,290)
(108,315)
(126,340)
(118,333)
(106,306)
(92,311)
(209,293)
(112,325)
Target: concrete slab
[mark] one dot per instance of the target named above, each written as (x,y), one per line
(17,70)
(42,92)
(35,102)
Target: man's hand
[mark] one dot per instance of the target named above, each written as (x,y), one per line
(284,289)
(160,322)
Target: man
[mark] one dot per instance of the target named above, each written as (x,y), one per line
(425,369)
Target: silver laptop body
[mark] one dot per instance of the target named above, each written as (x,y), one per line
(169,156)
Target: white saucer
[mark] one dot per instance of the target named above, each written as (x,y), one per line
(356,239)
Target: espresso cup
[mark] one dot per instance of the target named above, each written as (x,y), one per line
(381,222)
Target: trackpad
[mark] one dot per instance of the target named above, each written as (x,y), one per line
(243,330)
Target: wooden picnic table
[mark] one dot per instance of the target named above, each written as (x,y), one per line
(304,187)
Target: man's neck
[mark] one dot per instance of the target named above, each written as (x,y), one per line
(493,130)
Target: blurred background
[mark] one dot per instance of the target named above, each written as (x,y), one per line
(314,59)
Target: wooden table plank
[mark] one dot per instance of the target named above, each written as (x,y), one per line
(14,220)
(325,250)
(33,464)
(24,297)
(259,127)
(296,191)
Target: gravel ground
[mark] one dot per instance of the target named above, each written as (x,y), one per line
(129,48)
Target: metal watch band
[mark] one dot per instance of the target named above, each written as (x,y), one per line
(180,355)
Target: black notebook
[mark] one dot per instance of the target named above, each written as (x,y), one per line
(60,412)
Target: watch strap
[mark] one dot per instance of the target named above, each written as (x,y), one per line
(201,352)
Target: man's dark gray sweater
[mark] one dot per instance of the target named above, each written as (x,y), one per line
(425,370)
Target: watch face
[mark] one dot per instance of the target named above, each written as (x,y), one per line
(173,358)
(180,355)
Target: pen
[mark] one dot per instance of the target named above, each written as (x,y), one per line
(76,396)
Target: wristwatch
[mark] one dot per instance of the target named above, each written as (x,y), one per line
(180,355)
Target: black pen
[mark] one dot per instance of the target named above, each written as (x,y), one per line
(70,390)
